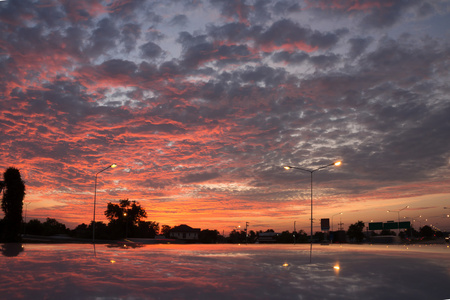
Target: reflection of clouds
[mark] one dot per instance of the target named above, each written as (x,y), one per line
(224,272)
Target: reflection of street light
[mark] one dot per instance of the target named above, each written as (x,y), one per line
(95,198)
(398,215)
(311,172)
(332,219)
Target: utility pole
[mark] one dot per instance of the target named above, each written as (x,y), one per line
(246,232)
(294,232)
(340,224)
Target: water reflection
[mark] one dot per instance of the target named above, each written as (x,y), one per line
(125,245)
(220,272)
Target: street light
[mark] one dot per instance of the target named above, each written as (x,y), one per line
(294,231)
(398,215)
(95,198)
(338,163)
(126,224)
(332,219)
(246,233)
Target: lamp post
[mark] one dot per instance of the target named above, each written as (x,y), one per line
(126,224)
(95,198)
(332,219)
(295,231)
(246,233)
(398,215)
(311,172)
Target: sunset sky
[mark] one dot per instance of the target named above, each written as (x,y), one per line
(201,102)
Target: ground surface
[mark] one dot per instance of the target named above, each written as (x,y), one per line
(75,271)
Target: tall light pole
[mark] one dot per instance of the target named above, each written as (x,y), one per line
(311,172)
(246,233)
(398,215)
(126,224)
(332,219)
(95,198)
(295,231)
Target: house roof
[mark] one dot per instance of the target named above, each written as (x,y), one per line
(185,228)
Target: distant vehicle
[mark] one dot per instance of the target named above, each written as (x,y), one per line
(447,238)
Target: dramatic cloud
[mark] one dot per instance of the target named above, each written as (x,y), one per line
(201,103)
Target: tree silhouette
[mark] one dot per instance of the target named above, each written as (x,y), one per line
(165,230)
(208,236)
(355,231)
(125,210)
(146,229)
(12,249)
(12,203)
(124,216)
(426,232)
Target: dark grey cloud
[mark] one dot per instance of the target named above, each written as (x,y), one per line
(130,34)
(199,177)
(402,62)
(30,39)
(320,62)
(269,76)
(285,32)
(325,61)
(233,32)
(151,50)
(425,9)
(12,11)
(103,38)
(179,20)
(286,7)
(127,10)
(383,16)
(153,34)
(74,41)
(238,10)
(188,40)
(358,45)
(291,58)
(117,67)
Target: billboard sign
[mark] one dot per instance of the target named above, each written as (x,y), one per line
(405,225)
(376,226)
(325,224)
(389,225)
